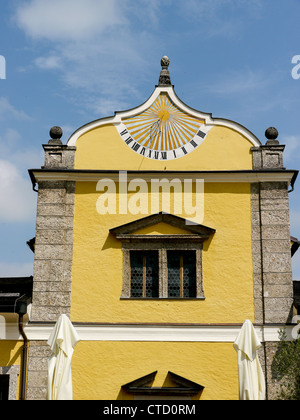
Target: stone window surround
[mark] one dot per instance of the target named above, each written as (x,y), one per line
(13,372)
(162,246)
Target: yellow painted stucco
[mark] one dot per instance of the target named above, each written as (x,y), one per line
(161,229)
(227,263)
(99,369)
(223,149)
(10,352)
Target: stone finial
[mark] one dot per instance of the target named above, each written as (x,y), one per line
(271,134)
(165,62)
(270,155)
(164,78)
(55,134)
(57,154)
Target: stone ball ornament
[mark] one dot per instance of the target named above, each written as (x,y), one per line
(165,62)
(271,133)
(56,132)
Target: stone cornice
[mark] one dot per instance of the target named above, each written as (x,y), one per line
(248,176)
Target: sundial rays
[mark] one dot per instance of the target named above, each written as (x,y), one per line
(163,126)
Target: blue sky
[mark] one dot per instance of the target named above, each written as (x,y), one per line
(69,62)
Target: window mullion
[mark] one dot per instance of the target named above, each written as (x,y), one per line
(144,275)
(163,273)
(181,276)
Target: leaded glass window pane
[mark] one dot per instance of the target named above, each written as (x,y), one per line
(189,274)
(152,274)
(181,274)
(144,274)
(136,263)
(173,274)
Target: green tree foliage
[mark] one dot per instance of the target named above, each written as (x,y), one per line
(286,368)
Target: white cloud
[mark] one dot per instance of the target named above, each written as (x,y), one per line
(218,17)
(94,44)
(48,63)
(19,155)
(149,12)
(7,109)
(9,141)
(17,200)
(68,19)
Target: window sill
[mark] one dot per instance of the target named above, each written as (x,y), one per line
(163,298)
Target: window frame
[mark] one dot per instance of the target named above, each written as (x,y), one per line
(162,246)
(144,279)
(193,239)
(180,280)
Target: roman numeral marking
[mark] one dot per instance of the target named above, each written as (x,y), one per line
(193,143)
(136,147)
(124,132)
(201,134)
(129,140)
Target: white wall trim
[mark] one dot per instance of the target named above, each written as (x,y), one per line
(144,333)
(209,120)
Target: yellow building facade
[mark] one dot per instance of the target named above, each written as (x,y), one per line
(160,230)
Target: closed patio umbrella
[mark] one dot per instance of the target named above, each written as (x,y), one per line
(251,377)
(62,341)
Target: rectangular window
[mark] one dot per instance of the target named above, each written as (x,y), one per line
(181,274)
(164,271)
(4,386)
(144,281)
